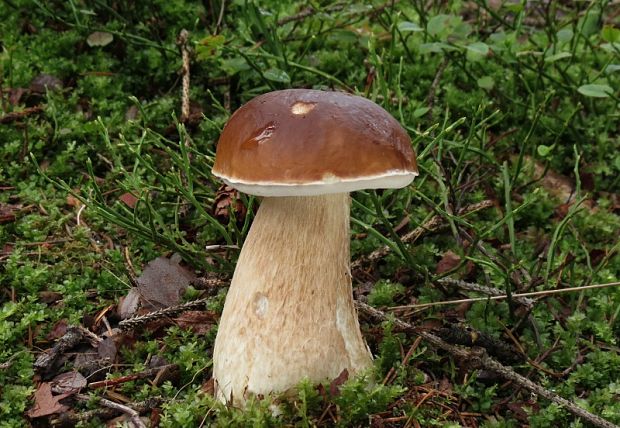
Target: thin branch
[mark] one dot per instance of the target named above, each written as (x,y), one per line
(17,115)
(135,376)
(69,340)
(182,42)
(505,296)
(134,416)
(135,322)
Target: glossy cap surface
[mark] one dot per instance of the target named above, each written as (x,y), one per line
(299,142)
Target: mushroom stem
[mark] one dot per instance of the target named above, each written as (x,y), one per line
(289,312)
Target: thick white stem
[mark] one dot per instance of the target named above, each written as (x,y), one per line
(289,313)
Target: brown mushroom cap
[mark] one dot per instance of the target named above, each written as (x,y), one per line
(300,142)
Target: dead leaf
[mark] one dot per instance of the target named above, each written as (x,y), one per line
(45,403)
(448,261)
(445,386)
(72,201)
(209,387)
(200,322)
(226,200)
(107,348)
(334,386)
(7,212)
(59,329)
(99,38)
(15,95)
(6,250)
(128,305)
(68,383)
(163,282)
(128,199)
(523,409)
(49,297)
(132,113)
(117,396)
(45,82)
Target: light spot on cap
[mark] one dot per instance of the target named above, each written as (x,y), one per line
(302,107)
(329,177)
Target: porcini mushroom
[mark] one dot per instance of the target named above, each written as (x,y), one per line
(289,312)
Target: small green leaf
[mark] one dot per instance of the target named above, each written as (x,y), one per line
(343,36)
(99,38)
(209,47)
(564,35)
(486,82)
(419,112)
(610,34)
(477,51)
(409,27)
(558,56)
(544,150)
(277,75)
(611,47)
(234,65)
(595,91)
(437,24)
(514,7)
(589,23)
(612,68)
(435,47)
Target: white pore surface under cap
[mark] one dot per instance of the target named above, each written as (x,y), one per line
(331,184)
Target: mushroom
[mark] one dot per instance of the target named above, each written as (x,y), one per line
(289,312)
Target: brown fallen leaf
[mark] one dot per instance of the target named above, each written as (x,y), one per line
(200,322)
(107,348)
(128,199)
(8,211)
(72,201)
(44,82)
(448,261)
(6,250)
(49,297)
(163,282)
(227,200)
(45,403)
(553,182)
(15,95)
(209,387)
(68,383)
(334,386)
(128,305)
(59,329)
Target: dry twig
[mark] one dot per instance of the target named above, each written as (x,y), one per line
(17,115)
(136,322)
(182,42)
(71,338)
(492,292)
(129,378)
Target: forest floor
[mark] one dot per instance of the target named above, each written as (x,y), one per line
(109,210)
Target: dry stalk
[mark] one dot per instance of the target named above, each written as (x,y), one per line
(17,115)
(182,42)
(521,297)
(136,322)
